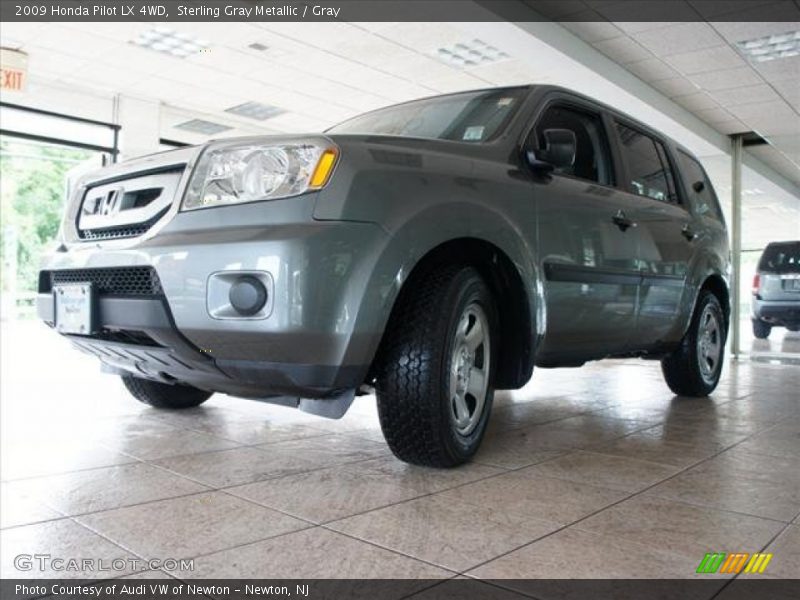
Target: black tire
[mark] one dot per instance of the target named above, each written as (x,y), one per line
(761,330)
(427,337)
(682,369)
(164,395)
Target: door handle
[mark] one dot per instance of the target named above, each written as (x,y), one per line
(688,233)
(622,221)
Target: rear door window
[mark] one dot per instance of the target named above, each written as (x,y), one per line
(648,167)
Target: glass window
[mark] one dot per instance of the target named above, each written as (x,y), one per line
(781,258)
(472,117)
(647,163)
(698,187)
(591,145)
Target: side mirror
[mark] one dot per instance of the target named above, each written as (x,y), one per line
(558,152)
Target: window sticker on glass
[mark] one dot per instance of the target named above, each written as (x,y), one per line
(504,102)
(474,133)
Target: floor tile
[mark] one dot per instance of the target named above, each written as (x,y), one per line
(329,450)
(107,488)
(625,473)
(237,466)
(63,539)
(260,432)
(189,526)
(441,530)
(40,458)
(538,497)
(785,549)
(681,528)
(311,554)
(18,508)
(652,449)
(758,497)
(328,494)
(573,553)
(150,444)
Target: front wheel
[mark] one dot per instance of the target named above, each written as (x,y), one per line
(695,367)
(761,330)
(164,395)
(434,378)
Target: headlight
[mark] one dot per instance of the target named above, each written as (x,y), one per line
(246,171)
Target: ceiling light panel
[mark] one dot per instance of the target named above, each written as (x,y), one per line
(201,126)
(255,110)
(466,55)
(169,41)
(771,47)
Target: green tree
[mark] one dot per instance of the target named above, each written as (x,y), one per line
(33,188)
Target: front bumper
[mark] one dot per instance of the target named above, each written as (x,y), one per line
(315,342)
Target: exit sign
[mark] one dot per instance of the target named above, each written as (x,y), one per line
(13,70)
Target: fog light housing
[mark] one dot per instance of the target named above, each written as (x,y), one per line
(247,295)
(240,295)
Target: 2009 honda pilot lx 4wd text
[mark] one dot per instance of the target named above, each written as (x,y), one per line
(436,251)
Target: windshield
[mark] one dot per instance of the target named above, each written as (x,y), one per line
(781,258)
(472,117)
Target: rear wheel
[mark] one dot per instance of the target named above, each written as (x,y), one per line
(695,367)
(760,329)
(164,395)
(434,380)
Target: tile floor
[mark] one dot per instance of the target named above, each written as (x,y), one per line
(594,472)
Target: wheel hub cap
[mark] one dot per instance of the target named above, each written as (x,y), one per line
(469,369)
(709,344)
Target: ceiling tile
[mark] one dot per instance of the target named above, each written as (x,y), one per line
(623,50)
(737,31)
(593,31)
(732,126)
(745,95)
(714,115)
(681,38)
(726,78)
(703,61)
(768,118)
(790,144)
(678,86)
(783,69)
(652,69)
(697,101)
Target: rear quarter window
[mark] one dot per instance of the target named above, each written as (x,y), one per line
(698,187)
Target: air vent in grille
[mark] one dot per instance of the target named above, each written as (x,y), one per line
(125,231)
(117,281)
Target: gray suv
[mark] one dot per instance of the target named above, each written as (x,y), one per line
(433,251)
(776,289)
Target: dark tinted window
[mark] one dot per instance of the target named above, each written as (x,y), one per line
(648,166)
(591,152)
(467,117)
(781,258)
(701,193)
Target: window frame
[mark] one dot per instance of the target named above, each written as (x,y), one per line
(657,139)
(555,99)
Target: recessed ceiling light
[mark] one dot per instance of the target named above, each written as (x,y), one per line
(771,47)
(466,55)
(169,41)
(201,126)
(256,110)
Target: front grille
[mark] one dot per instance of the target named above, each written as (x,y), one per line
(114,281)
(125,231)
